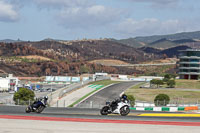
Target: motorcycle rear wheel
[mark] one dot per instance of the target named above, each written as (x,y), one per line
(104,110)
(40,109)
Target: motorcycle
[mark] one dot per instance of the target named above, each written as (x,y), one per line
(37,106)
(116,107)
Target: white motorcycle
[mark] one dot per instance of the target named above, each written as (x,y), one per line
(116,107)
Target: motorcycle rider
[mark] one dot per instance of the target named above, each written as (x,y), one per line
(39,101)
(114,103)
(124,98)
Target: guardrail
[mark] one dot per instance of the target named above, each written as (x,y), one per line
(99,105)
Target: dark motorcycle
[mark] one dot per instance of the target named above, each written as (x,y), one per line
(38,106)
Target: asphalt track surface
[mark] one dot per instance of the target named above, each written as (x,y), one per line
(93,115)
(85,113)
(109,93)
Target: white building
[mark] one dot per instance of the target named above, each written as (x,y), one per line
(9,83)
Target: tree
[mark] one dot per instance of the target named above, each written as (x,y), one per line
(23,95)
(131,99)
(156,82)
(161,100)
(167,77)
(171,83)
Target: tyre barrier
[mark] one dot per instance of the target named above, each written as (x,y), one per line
(170,109)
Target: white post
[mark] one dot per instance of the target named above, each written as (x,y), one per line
(90,104)
(57,103)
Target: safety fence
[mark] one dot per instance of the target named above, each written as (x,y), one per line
(170,109)
(97,104)
(171,103)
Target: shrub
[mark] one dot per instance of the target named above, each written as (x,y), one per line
(161,100)
(23,95)
(131,99)
(171,83)
(167,77)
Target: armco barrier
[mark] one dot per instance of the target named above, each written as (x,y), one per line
(169,109)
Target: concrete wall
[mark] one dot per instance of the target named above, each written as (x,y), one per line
(4,84)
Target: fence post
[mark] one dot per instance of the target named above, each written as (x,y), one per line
(57,103)
(64,103)
(90,104)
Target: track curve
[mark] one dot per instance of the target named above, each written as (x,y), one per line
(109,93)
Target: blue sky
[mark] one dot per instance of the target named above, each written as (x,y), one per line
(77,19)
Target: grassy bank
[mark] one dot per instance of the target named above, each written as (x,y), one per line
(185,95)
(188,84)
(104,82)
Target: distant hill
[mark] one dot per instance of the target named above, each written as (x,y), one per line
(150,50)
(10,41)
(177,36)
(184,41)
(130,42)
(163,41)
(162,44)
(171,52)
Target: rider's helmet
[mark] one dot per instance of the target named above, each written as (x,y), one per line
(124,96)
(45,97)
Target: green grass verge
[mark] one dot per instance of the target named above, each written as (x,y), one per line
(104,82)
(82,98)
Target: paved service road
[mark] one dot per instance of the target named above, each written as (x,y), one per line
(108,94)
(34,126)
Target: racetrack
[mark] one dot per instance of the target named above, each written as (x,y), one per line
(13,119)
(91,114)
(108,94)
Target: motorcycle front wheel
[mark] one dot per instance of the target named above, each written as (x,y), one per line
(124,110)
(104,110)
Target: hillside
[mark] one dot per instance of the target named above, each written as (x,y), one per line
(164,41)
(177,36)
(87,50)
(150,50)
(170,52)
(130,42)
(70,57)
(173,52)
